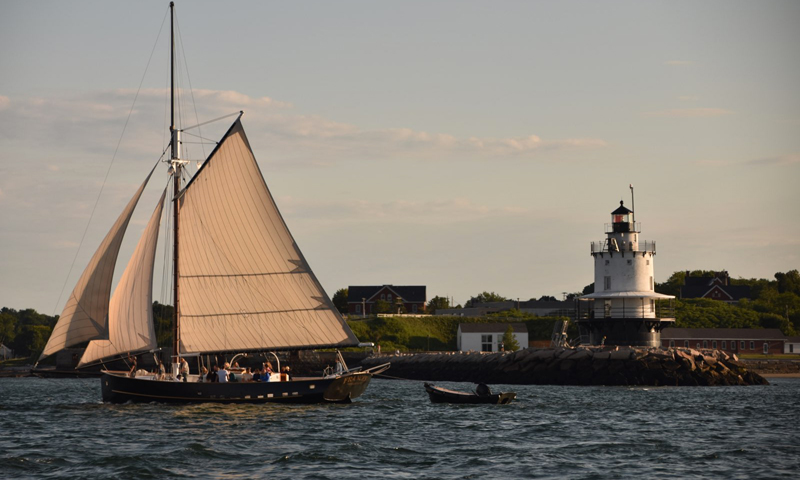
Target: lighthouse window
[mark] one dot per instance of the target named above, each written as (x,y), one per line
(630,262)
(652,286)
(606,262)
(648,262)
(652,305)
(607,283)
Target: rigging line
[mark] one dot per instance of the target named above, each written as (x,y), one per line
(208,140)
(189,78)
(211,121)
(111,164)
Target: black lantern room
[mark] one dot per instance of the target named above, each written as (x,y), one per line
(621,219)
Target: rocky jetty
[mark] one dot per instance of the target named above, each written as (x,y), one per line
(575,366)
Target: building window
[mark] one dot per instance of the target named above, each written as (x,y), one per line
(672,343)
(486,343)
(705,343)
(791,348)
(752,345)
(766,348)
(389,298)
(698,346)
(606,283)
(652,305)
(714,344)
(724,345)
(741,345)
(414,308)
(686,344)
(383,297)
(358,308)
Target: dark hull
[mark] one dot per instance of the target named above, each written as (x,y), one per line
(120,389)
(441,395)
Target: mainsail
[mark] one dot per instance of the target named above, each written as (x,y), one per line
(85,316)
(244,284)
(130,315)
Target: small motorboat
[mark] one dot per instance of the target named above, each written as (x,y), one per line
(482,395)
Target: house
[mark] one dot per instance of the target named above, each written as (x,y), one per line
(792,345)
(732,340)
(362,300)
(717,287)
(5,352)
(488,337)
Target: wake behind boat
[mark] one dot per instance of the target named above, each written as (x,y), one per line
(240,284)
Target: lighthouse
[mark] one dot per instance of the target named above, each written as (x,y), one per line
(624,308)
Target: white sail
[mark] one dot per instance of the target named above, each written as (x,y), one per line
(244,284)
(85,316)
(130,314)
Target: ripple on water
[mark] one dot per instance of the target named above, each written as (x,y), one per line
(58,428)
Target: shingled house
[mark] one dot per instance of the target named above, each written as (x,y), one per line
(363,299)
(732,340)
(717,287)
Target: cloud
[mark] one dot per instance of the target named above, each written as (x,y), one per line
(790,159)
(94,121)
(678,63)
(690,112)
(436,212)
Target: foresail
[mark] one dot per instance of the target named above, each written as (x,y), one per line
(244,284)
(130,314)
(85,316)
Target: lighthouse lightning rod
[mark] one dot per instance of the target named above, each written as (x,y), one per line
(633,207)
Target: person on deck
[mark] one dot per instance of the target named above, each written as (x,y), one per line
(213,375)
(162,373)
(222,374)
(203,375)
(247,376)
(184,370)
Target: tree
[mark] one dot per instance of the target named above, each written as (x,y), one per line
(509,342)
(485,297)
(382,306)
(547,298)
(340,300)
(588,289)
(437,303)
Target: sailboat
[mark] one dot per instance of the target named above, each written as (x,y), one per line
(240,285)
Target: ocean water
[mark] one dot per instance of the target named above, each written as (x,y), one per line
(59,429)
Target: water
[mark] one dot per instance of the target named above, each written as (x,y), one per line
(59,428)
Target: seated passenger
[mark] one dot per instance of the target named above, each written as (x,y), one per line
(213,375)
(247,375)
(256,376)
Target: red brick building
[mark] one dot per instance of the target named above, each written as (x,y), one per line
(362,300)
(732,340)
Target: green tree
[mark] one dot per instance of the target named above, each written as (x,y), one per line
(8,328)
(382,306)
(437,303)
(31,339)
(340,300)
(485,297)
(509,342)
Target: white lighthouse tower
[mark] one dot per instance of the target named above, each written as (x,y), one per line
(624,308)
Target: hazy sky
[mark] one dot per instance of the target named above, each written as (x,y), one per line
(466,146)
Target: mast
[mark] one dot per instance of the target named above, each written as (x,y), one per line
(176,187)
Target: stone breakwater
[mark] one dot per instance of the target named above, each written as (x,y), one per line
(574,366)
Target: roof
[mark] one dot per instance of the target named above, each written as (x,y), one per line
(491,327)
(621,210)
(648,294)
(722,334)
(409,293)
(736,292)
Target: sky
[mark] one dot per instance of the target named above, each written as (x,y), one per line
(467,146)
